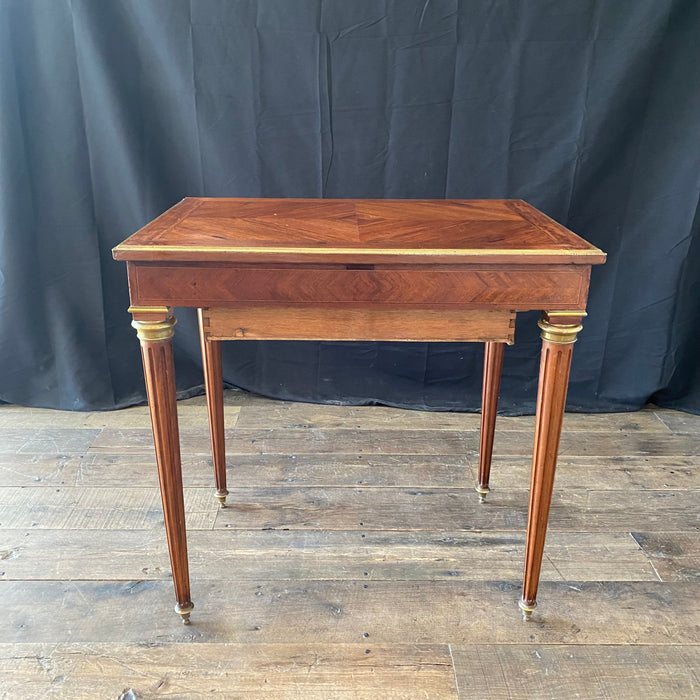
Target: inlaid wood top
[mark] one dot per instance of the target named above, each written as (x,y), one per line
(356,230)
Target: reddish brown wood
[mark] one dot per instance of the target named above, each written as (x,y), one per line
(493,364)
(555,363)
(294,322)
(337,230)
(294,260)
(214,387)
(514,287)
(159,372)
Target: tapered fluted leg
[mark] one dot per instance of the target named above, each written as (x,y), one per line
(154,327)
(493,364)
(214,387)
(558,331)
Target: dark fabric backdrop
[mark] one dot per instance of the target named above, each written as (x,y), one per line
(112,111)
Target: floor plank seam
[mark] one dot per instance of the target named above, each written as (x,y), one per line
(454,671)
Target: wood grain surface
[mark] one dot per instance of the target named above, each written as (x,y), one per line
(311,323)
(353,560)
(274,671)
(331,230)
(519,287)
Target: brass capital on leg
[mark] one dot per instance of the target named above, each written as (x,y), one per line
(561,327)
(153,324)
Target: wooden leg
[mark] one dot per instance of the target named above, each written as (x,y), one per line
(154,326)
(559,331)
(214,387)
(493,364)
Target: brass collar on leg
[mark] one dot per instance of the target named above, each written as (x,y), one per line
(560,333)
(154,331)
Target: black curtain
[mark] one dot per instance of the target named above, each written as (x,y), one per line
(112,111)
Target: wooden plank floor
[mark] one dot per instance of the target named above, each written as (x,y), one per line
(353,561)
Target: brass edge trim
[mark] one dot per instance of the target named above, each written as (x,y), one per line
(148,310)
(559,314)
(356,251)
(155,331)
(559,335)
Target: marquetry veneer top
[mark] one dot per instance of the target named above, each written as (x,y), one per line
(349,231)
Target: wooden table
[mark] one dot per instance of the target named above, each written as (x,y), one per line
(313,269)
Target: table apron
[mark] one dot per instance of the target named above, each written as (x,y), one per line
(516,288)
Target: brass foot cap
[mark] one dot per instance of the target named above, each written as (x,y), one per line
(527,609)
(221,495)
(482,491)
(184,610)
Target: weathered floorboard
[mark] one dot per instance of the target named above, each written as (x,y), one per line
(436,509)
(680,423)
(384,470)
(135,417)
(312,441)
(251,555)
(306,416)
(98,508)
(347,508)
(675,556)
(432,442)
(334,612)
(621,473)
(280,470)
(524,672)
(359,671)
(43,440)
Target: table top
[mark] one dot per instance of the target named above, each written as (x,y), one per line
(201,229)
